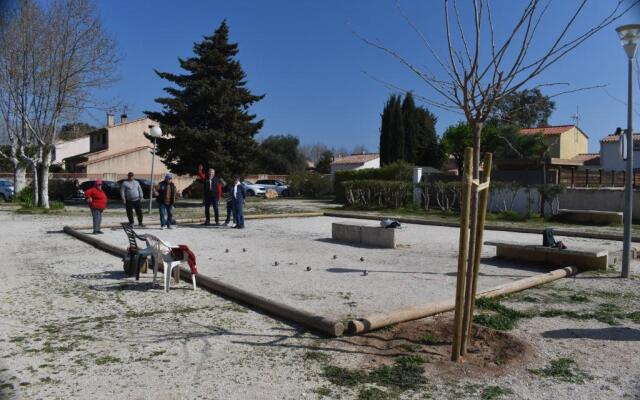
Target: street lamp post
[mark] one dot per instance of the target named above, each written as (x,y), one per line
(155,132)
(630,37)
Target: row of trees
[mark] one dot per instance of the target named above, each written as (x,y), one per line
(408,133)
(52,56)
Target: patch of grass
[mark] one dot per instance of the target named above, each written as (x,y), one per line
(407,373)
(17,339)
(106,360)
(578,298)
(323,391)
(373,393)
(411,347)
(502,319)
(607,313)
(562,369)
(494,392)
(430,339)
(6,385)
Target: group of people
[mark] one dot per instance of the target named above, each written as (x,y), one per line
(165,192)
(214,190)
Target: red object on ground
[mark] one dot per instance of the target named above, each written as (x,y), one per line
(180,251)
(98,198)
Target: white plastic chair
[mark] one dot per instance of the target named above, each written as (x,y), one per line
(161,252)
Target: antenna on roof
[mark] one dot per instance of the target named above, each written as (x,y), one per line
(576,117)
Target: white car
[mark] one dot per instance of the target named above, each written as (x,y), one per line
(278,186)
(253,189)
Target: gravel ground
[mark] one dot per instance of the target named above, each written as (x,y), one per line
(424,265)
(74,327)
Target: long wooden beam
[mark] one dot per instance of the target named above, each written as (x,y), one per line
(380,320)
(320,323)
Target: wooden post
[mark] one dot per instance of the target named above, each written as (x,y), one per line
(573,177)
(600,178)
(586,183)
(473,285)
(463,248)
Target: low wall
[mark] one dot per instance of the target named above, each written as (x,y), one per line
(609,199)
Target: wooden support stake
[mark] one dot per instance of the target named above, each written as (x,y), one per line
(482,215)
(463,248)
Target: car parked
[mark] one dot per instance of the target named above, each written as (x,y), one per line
(111,188)
(6,190)
(279,186)
(254,189)
(145,184)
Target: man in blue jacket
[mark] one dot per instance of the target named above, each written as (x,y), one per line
(239,194)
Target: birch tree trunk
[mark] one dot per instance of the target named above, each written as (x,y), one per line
(43,177)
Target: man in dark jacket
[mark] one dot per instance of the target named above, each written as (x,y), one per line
(212,192)
(166,197)
(239,194)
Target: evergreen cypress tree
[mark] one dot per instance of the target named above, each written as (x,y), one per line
(205,118)
(411,129)
(397,131)
(428,150)
(386,132)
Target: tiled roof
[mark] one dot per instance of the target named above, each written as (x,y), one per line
(548,130)
(114,155)
(587,158)
(356,158)
(614,138)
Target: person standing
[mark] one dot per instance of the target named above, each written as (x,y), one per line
(166,198)
(227,193)
(131,193)
(212,192)
(239,194)
(97,200)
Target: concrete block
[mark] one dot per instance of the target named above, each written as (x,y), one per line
(581,259)
(364,235)
(378,237)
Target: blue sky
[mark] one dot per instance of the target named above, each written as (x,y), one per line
(317,75)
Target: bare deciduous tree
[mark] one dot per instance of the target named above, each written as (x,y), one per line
(51,59)
(477,71)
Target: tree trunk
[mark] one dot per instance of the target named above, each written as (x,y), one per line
(43,177)
(476,131)
(19,177)
(36,191)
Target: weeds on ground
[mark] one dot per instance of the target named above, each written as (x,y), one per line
(406,374)
(430,339)
(562,369)
(494,392)
(502,318)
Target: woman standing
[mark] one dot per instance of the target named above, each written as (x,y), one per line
(97,200)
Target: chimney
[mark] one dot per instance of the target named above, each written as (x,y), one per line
(110,120)
(123,118)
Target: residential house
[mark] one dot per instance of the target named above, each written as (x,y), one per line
(117,149)
(355,162)
(610,157)
(69,148)
(565,141)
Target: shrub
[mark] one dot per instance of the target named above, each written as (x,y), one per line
(398,171)
(25,196)
(441,194)
(308,184)
(371,194)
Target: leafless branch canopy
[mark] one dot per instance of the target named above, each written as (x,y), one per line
(477,72)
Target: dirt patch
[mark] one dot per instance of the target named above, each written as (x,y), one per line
(491,354)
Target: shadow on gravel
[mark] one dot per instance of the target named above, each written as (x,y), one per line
(621,334)
(112,275)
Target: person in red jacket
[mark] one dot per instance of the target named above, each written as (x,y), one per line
(97,200)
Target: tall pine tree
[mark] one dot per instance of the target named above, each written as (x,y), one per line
(411,129)
(396,123)
(205,119)
(386,131)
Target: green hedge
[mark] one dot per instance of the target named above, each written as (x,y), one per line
(375,194)
(398,171)
(309,184)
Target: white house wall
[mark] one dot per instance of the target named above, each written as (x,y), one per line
(71,148)
(610,159)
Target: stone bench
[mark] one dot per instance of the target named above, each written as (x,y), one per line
(579,258)
(373,236)
(590,216)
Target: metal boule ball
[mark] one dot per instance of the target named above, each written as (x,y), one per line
(361,258)
(276,263)
(226,250)
(335,256)
(308,268)
(244,250)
